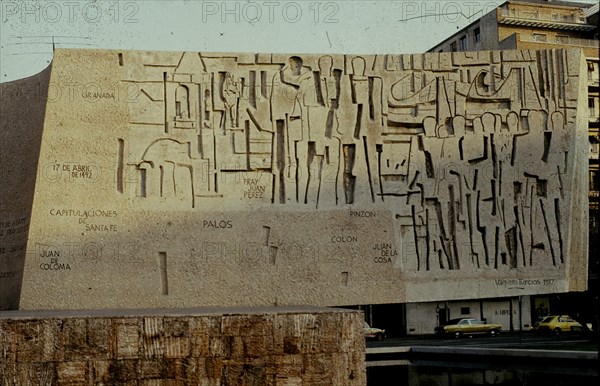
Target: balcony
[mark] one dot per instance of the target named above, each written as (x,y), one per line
(561,40)
(590,47)
(568,22)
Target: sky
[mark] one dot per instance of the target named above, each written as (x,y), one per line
(30,29)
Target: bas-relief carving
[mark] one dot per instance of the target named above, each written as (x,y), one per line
(470,151)
(242,179)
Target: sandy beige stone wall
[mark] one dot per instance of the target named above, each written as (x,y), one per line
(268,346)
(184,179)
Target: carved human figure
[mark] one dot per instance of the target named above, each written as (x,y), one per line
(287,116)
(368,93)
(230,98)
(321,103)
(477,184)
(359,88)
(533,169)
(557,171)
(350,153)
(490,222)
(439,242)
(454,188)
(506,201)
(415,189)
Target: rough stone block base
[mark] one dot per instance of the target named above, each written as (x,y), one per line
(297,346)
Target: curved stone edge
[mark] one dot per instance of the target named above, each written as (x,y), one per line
(22,112)
(578,249)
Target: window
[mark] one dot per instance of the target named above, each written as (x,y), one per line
(591,66)
(462,43)
(592,106)
(465,310)
(594,180)
(593,151)
(562,39)
(477,35)
(453,47)
(540,37)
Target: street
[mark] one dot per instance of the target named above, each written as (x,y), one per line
(525,340)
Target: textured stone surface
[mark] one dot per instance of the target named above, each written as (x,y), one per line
(270,346)
(183,179)
(22,108)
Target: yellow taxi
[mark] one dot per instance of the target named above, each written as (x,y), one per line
(556,324)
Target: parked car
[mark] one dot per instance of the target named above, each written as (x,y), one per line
(467,326)
(556,324)
(373,333)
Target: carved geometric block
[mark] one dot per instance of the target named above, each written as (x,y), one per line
(188,179)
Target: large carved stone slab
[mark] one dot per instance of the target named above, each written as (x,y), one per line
(186,179)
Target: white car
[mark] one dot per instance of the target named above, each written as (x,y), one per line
(373,333)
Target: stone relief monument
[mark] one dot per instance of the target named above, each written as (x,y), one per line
(196,179)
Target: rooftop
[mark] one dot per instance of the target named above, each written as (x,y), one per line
(557,3)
